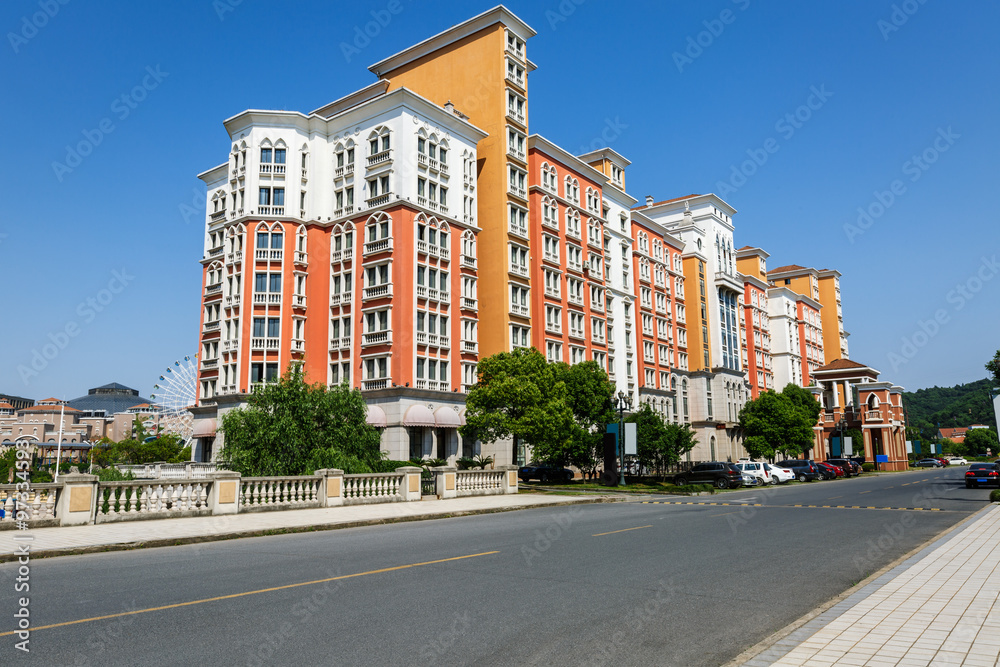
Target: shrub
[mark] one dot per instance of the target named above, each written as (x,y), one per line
(389,465)
(465,463)
(868,467)
(113,474)
(995,496)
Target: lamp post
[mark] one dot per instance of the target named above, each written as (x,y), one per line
(624,402)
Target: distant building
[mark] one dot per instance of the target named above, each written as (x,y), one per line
(17,402)
(958,434)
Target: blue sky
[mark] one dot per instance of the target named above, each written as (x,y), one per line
(101,250)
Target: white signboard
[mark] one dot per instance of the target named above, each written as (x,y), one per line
(909,447)
(848,447)
(631,439)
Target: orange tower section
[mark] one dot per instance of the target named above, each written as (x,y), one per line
(481,67)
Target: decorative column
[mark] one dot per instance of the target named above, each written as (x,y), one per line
(445,482)
(331,487)
(77,502)
(224,497)
(510,479)
(409,489)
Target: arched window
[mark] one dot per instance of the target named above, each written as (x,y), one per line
(378,140)
(377,229)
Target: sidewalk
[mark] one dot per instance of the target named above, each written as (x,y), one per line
(162,532)
(939,607)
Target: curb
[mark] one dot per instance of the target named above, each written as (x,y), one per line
(769,642)
(179,541)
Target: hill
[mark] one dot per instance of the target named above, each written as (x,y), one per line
(948,407)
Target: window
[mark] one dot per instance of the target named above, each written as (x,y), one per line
(271,197)
(550,246)
(519,259)
(519,300)
(552,283)
(515,106)
(553,351)
(553,319)
(572,190)
(519,336)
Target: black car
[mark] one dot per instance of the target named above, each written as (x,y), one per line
(928,463)
(849,467)
(721,475)
(982,474)
(805,469)
(544,473)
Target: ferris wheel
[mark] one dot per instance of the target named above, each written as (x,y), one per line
(175,392)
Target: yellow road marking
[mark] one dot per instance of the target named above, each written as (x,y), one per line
(623,530)
(867,491)
(239,595)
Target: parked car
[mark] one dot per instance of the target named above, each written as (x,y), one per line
(833,472)
(544,473)
(780,475)
(722,475)
(928,463)
(805,469)
(944,461)
(958,461)
(849,467)
(758,471)
(982,473)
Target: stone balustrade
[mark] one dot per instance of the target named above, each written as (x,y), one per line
(84,499)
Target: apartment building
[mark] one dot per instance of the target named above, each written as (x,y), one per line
(796,337)
(345,239)
(755,333)
(716,384)
(823,286)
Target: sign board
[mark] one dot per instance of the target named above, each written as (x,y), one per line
(835,448)
(916,446)
(881,458)
(909,447)
(631,439)
(848,446)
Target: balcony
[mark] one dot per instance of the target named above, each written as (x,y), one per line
(340,299)
(298,345)
(299,300)
(208,364)
(234,257)
(552,292)
(265,343)
(519,309)
(215,252)
(551,223)
(517,229)
(515,152)
(270,210)
(515,79)
(517,190)
(729,280)
(576,299)
(338,256)
(301,257)
(212,326)
(469,181)
(380,200)
(267,298)
(372,385)
(873,416)
(470,347)
(382,245)
(377,292)
(468,261)
(342,172)
(553,328)
(515,115)
(213,289)
(377,338)
(265,255)
(551,257)
(379,158)
(519,269)
(273,169)
(469,304)
(343,343)
(230,345)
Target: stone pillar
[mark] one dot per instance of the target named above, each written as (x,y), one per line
(445,481)
(510,479)
(224,498)
(77,502)
(409,489)
(331,488)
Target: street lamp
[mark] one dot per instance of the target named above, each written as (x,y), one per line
(624,402)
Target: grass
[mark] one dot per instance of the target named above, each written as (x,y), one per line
(632,487)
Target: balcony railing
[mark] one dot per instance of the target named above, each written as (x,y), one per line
(515,115)
(470,347)
(517,190)
(213,289)
(270,210)
(212,326)
(380,200)
(873,416)
(266,255)
(519,269)
(380,383)
(342,343)
(381,245)
(234,257)
(377,338)
(265,343)
(301,257)
(299,300)
(519,309)
(346,170)
(340,299)
(469,304)
(267,298)
(338,256)
(468,261)
(377,292)
(379,158)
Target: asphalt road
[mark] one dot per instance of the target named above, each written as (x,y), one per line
(626,583)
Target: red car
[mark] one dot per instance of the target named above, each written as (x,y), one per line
(830,471)
(944,462)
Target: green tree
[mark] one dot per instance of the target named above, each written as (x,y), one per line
(660,444)
(519,394)
(993,366)
(978,440)
(290,427)
(782,422)
(589,395)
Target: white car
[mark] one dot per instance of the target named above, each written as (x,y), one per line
(758,473)
(780,475)
(957,461)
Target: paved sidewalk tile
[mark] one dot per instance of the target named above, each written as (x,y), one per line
(940,607)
